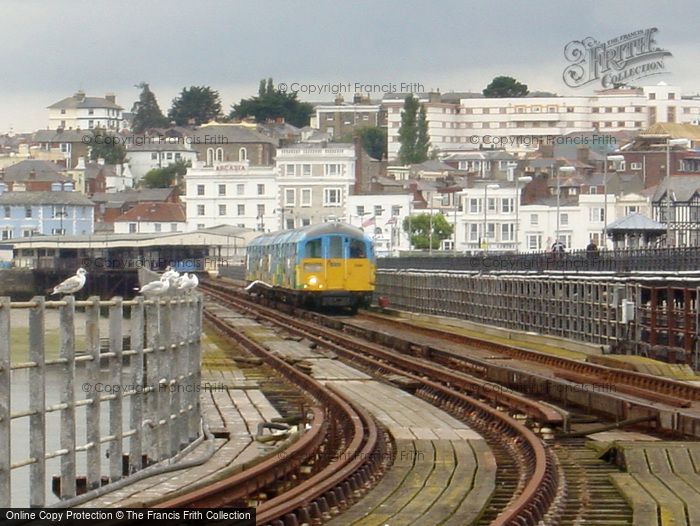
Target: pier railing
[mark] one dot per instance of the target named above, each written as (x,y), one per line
(101,402)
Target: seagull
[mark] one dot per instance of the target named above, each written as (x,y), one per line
(155,288)
(187,282)
(72,284)
(171,274)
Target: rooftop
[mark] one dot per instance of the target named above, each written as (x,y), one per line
(80,101)
(44,198)
(155,212)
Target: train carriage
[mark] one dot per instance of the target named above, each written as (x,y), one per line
(331,264)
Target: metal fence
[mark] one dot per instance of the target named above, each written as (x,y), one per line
(628,260)
(135,390)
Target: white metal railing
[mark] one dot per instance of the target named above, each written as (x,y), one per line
(153,402)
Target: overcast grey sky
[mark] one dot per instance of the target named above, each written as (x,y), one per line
(52,49)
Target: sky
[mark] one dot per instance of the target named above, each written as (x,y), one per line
(52,49)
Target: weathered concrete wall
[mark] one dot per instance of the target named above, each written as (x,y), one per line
(17,283)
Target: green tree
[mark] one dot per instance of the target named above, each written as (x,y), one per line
(419,227)
(423,139)
(271,103)
(107,146)
(502,87)
(197,104)
(146,111)
(413,133)
(165,177)
(374,141)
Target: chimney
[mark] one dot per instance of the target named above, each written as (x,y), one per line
(81,163)
(582,154)
(339,100)
(68,187)
(32,174)
(79,95)
(357,99)
(110,97)
(56,187)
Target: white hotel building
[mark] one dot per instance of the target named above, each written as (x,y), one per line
(231,193)
(516,123)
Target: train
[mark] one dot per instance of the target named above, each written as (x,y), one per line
(318,266)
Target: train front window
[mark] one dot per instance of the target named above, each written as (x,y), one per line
(357,249)
(335,247)
(313,249)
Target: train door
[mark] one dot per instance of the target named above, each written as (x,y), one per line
(335,263)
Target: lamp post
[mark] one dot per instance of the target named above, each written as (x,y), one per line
(525,179)
(486,207)
(565,169)
(430,230)
(613,158)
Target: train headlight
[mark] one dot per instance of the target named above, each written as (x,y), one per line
(313,280)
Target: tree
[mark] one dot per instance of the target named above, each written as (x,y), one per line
(107,146)
(146,111)
(199,104)
(418,228)
(502,87)
(423,139)
(374,141)
(165,177)
(272,103)
(413,133)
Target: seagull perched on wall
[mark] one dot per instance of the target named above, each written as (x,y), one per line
(72,284)
(171,274)
(155,288)
(187,282)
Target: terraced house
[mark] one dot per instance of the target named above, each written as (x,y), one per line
(58,212)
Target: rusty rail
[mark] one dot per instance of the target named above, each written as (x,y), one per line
(536,463)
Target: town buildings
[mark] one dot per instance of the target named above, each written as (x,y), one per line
(80,112)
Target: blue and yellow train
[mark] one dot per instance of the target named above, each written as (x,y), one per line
(331,264)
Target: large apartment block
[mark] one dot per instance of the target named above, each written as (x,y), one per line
(520,123)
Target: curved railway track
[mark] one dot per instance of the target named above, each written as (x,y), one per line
(533,483)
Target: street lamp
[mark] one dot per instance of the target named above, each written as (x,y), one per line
(486,207)
(565,169)
(613,158)
(525,179)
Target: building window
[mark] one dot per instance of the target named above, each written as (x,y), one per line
(240,210)
(63,111)
(169,156)
(473,232)
(290,223)
(592,190)
(507,205)
(173,227)
(200,189)
(305,221)
(200,226)
(597,214)
(360,210)
(91,124)
(652,96)
(240,189)
(492,204)
(534,242)
(210,156)
(58,211)
(332,170)
(157,227)
(289,196)
(474,206)
(507,232)
(306,170)
(28,232)
(222,210)
(636,166)
(200,210)
(289,170)
(132,228)
(28,212)
(632,209)
(491,231)
(564,219)
(331,197)
(534,219)
(91,111)
(261,189)
(242,155)
(306,197)
(395,210)
(219,154)
(671,96)
(7,234)
(154,156)
(261,210)
(378,210)
(222,190)
(54,231)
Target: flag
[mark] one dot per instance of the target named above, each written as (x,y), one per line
(391,221)
(368,222)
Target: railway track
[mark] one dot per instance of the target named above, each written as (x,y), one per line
(529,482)
(331,464)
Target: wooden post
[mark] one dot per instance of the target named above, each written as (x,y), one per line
(5,405)
(67,353)
(37,405)
(116,374)
(93,411)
